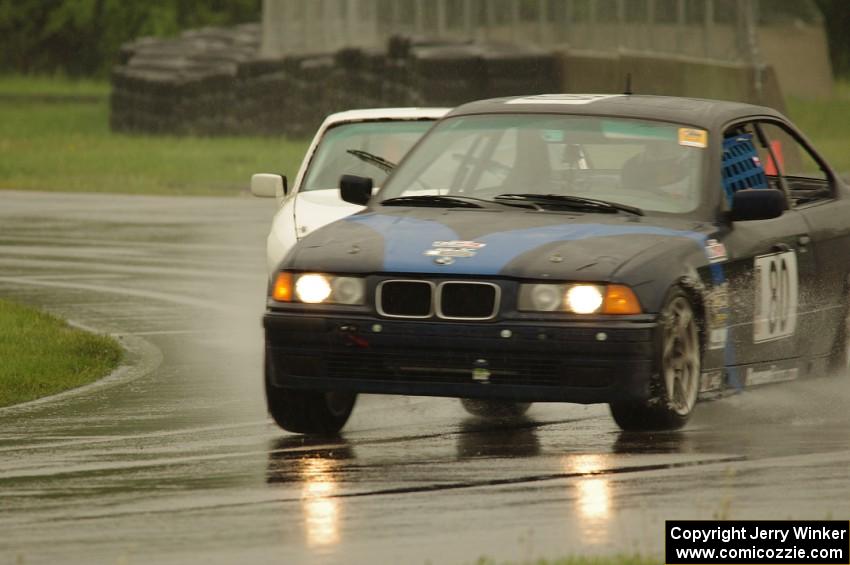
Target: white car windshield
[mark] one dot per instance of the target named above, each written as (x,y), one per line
(649,165)
(363,149)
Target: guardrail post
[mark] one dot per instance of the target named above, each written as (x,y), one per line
(680,25)
(419,17)
(751,16)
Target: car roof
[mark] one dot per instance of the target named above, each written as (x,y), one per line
(691,111)
(377,114)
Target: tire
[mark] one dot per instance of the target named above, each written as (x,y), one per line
(675,388)
(495,409)
(306,411)
(309,412)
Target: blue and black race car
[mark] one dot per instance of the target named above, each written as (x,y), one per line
(639,251)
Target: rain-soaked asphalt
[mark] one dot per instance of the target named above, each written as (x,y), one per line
(173,460)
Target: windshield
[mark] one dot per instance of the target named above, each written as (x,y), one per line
(346,150)
(650,165)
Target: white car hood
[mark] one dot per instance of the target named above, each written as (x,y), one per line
(317,208)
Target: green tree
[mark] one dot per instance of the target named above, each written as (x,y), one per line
(83,37)
(837,21)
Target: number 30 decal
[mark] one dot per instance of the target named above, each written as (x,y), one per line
(776,296)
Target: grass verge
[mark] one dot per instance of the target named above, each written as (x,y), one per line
(66,145)
(61,145)
(49,85)
(42,355)
(616,560)
(827,124)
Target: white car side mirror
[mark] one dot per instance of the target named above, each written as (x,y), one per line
(268,185)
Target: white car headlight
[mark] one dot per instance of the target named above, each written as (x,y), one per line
(348,290)
(313,288)
(541,297)
(318,288)
(584,298)
(578,298)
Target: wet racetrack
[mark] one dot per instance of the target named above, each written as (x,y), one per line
(173,459)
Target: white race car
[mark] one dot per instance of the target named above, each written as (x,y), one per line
(358,142)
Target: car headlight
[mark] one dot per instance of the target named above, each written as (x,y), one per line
(348,290)
(584,298)
(578,298)
(544,297)
(318,288)
(312,289)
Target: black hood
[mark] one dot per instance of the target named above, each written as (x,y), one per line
(492,242)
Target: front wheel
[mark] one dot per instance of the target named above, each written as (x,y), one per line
(309,412)
(495,409)
(674,389)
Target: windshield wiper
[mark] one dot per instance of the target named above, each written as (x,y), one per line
(372,159)
(437,201)
(573,202)
(455,201)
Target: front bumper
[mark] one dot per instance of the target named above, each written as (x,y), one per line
(524,361)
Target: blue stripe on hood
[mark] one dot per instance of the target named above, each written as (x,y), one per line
(407,239)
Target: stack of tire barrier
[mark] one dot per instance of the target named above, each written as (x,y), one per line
(187,84)
(264,92)
(514,71)
(213,81)
(397,86)
(450,75)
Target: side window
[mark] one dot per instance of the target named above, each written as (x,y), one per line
(806,180)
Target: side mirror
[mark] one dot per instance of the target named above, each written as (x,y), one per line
(757,204)
(356,190)
(269,186)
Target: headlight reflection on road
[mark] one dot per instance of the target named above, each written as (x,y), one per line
(321,510)
(593,498)
(594,502)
